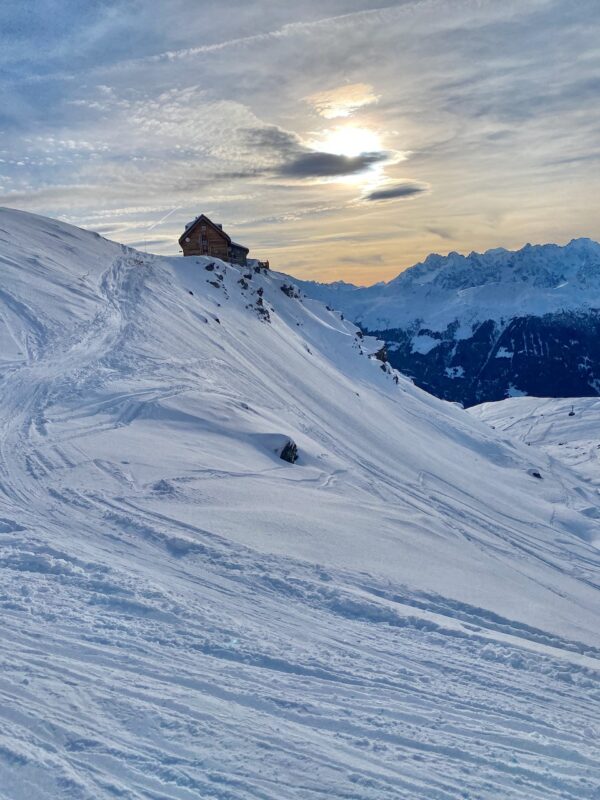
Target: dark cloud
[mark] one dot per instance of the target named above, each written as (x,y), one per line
(576,159)
(443,233)
(323,165)
(398,191)
(211,178)
(274,139)
(373,258)
(139,242)
(291,159)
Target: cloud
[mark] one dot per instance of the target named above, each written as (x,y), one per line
(370,258)
(287,30)
(342,101)
(329,165)
(443,233)
(398,191)
(291,159)
(272,138)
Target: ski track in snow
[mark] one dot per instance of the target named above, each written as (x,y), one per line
(185,616)
(565,428)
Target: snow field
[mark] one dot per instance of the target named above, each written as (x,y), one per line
(405,612)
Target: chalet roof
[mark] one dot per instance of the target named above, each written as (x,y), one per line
(241,246)
(202,218)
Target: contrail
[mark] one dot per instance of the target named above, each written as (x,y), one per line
(172,211)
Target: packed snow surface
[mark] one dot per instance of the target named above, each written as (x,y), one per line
(567,429)
(496,285)
(411,610)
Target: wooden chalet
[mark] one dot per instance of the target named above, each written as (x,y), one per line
(202,237)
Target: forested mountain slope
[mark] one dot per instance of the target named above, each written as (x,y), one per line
(488,325)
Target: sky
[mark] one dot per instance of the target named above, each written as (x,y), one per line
(340,139)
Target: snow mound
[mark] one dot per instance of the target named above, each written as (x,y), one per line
(405,611)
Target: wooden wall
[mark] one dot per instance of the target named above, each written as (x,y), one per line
(206,240)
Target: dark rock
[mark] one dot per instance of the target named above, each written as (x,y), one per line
(163,487)
(381,354)
(289,452)
(216,284)
(209,267)
(290,290)
(190,292)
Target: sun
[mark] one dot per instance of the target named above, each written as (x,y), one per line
(352,141)
(349,140)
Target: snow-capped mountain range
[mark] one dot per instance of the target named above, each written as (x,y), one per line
(411,609)
(486,326)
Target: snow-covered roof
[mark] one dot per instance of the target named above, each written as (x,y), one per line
(193,222)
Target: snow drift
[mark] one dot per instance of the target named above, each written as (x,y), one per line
(406,611)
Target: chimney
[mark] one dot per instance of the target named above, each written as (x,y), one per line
(218,224)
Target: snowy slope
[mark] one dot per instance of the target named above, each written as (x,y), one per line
(566,429)
(407,611)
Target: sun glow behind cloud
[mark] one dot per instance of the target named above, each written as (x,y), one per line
(353,141)
(348,140)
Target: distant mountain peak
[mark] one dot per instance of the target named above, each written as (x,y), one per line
(477,327)
(499,265)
